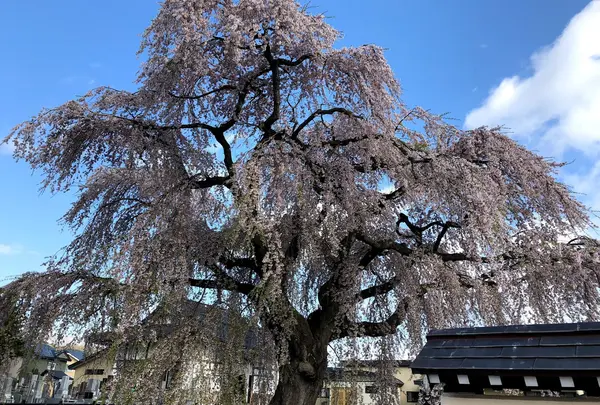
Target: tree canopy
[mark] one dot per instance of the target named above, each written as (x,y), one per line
(260,168)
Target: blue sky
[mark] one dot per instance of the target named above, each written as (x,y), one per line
(470,58)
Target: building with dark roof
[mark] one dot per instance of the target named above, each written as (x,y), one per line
(562,358)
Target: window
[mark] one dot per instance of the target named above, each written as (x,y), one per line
(324,393)
(412,396)
(94,371)
(371,389)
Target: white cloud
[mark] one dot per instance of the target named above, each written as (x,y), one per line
(560,101)
(15,249)
(10,249)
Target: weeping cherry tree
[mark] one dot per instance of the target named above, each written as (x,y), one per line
(259,168)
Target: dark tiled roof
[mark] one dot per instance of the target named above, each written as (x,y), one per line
(543,348)
(557,328)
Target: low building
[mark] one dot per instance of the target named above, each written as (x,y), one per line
(360,381)
(104,361)
(38,376)
(521,363)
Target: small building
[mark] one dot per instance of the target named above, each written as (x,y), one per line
(40,375)
(488,364)
(359,380)
(104,361)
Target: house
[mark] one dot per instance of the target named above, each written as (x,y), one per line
(40,375)
(361,379)
(104,360)
(521,363)
(90,373)
(75,356)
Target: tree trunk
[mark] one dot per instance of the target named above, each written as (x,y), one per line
(295,388)
(301,378)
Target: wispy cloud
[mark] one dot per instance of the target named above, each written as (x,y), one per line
(7,250)
(14,249)
(77,80)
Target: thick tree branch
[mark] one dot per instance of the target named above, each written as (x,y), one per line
(447,225)
(320,113)
(275,77)
(379,289)
(210,182)
(399,192)
(223,283)
(382,245)
(377,329)
(287,62)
